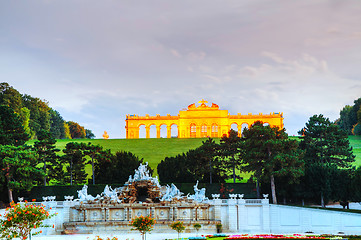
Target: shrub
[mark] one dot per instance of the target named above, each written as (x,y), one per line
(178,226)
(143,224)
(20,219)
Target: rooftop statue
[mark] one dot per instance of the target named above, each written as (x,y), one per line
(105,135)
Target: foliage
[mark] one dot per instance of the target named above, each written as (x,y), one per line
(178,226)
(57,127)
(356,130)
(326,149)
(76,131)
(39,113)
(269,153)
(197,226)
(89,134)
(18,166)
(11,130)
(10,97)
(35,113)
(116,168)
(74,159)
(194,165)
(20,219)
(46,150)
(143,224)
(350,116)
(97,156)
(231,152)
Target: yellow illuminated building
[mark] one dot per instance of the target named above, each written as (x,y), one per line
(198,122)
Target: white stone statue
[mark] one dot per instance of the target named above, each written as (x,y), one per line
(83,194)
(199,194)
(141,173)
(110,193)
(171,192)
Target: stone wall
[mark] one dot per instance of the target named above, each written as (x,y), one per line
(236,216)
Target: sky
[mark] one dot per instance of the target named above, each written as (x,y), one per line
(97,61)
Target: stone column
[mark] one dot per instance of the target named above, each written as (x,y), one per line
(152,212)
(217,209)
(242,214)
(265,215)
(158,131)
(171,214)
(147,132)
(169,131)
(232,214)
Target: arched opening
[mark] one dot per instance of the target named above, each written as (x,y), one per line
(174,131)
(142,132)
(152,131)
(204,131)
(244,126)
(163,131)
(214,131)
(266,124)
(193,130)
(234,126)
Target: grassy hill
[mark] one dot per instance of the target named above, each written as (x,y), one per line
(155,150)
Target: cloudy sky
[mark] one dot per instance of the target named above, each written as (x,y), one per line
(96,61)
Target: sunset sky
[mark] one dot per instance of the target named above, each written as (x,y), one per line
(96,61)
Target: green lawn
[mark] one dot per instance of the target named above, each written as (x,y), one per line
(154,150)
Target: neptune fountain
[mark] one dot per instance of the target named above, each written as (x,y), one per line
(141,195)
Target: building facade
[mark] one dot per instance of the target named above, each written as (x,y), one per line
(198,122)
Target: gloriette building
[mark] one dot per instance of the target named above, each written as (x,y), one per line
(198,122)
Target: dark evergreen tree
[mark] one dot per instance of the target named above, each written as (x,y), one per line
(46,150)
(57,128)
(97,155)
(19,170)
(230,151)
(326,148)
(194,165)
(10,97)
(89,134)
(11,130)
(117,168)
(269,153)
(175,170)
(75,163)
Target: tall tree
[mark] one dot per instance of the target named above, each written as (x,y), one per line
(75,163)
(326,147)
(46,150)
(57,128)
(97,154)
(230,151)
(76,131)
(117,168)
(39,113)
(89,134)
(269,153)
(194,165)
(18,168)
(11,129)
(10,97)
(344,121)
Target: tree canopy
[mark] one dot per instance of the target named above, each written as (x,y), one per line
(327,150)
(269,153)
